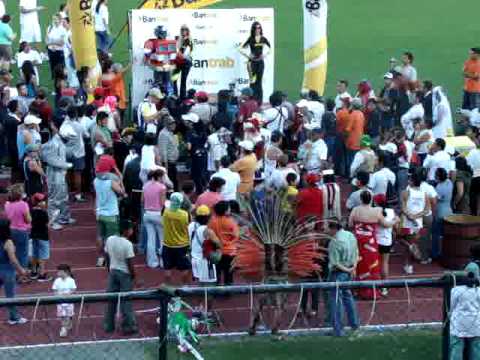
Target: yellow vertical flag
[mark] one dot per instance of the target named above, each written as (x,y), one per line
(315,14)
(178,4)
(83,33)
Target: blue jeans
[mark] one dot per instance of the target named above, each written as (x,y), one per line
(402,180)
(437,234)
(103,41)
(457,346)
(348,162)
(330,141)
(342,299)
(20,239)
(8,279)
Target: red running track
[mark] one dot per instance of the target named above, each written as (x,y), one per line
(75,246)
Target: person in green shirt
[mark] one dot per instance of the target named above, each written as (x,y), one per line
(343,259)
(176,242)
(6,38)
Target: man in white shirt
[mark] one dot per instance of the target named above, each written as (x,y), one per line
(217,147)
(438,158)
(232,179)
(278,178)
(415,112)
(407,70)
(472,116)
(121,277)
(275,117)
(342,93)
(30,30)
(102,30)
(203,108)
(316,153)
(380,179)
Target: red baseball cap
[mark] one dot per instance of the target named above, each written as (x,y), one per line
(201,95)
(380,199)
(312,179)
(105,164)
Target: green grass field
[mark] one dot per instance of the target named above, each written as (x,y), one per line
(389,346)
(363,36)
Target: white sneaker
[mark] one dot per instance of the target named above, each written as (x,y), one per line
(384,291)
(19,321)
(68,222)
(63,332)
(56,226)
(408,269)
(101,261)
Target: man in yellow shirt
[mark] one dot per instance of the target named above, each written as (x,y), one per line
(245,167)
(176,242)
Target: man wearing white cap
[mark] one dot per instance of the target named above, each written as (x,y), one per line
(55,156)
(30,134)
(147,113)
(245,166)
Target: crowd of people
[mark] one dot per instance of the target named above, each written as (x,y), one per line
(172,181)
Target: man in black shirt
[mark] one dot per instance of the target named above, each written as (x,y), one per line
(329,127)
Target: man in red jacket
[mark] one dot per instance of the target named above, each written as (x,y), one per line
(310,199)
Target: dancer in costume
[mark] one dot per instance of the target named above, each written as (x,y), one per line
(274,248)
(160,55)
(364,220)
(183,61)
(256,64)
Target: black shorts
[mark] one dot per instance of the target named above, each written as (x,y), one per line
(176,258)
(382,249)
(78,164)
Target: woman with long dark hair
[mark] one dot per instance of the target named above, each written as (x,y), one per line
(30,78)
(183,61)
(256,64)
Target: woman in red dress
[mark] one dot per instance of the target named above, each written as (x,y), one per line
(364,220)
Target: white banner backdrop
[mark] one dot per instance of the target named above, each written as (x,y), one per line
(217,35)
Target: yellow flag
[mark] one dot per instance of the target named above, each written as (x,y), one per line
(178,4)
(83,33)
(315,14)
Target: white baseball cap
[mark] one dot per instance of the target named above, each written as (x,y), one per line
(246,144)
(31,120)
(191,117)
(303,103)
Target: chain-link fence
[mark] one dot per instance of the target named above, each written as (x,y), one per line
(412,322)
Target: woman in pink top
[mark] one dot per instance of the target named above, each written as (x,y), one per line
(154,194)
(213,195)
(18,213)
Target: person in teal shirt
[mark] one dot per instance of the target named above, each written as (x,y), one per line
(6,38)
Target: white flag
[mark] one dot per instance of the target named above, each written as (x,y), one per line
(315,13)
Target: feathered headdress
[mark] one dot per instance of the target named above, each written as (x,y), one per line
(276,244)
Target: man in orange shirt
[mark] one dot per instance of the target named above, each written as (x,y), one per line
(343,115)
(471,74)
(354,130)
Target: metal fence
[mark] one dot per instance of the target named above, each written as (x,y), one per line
(156,346)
